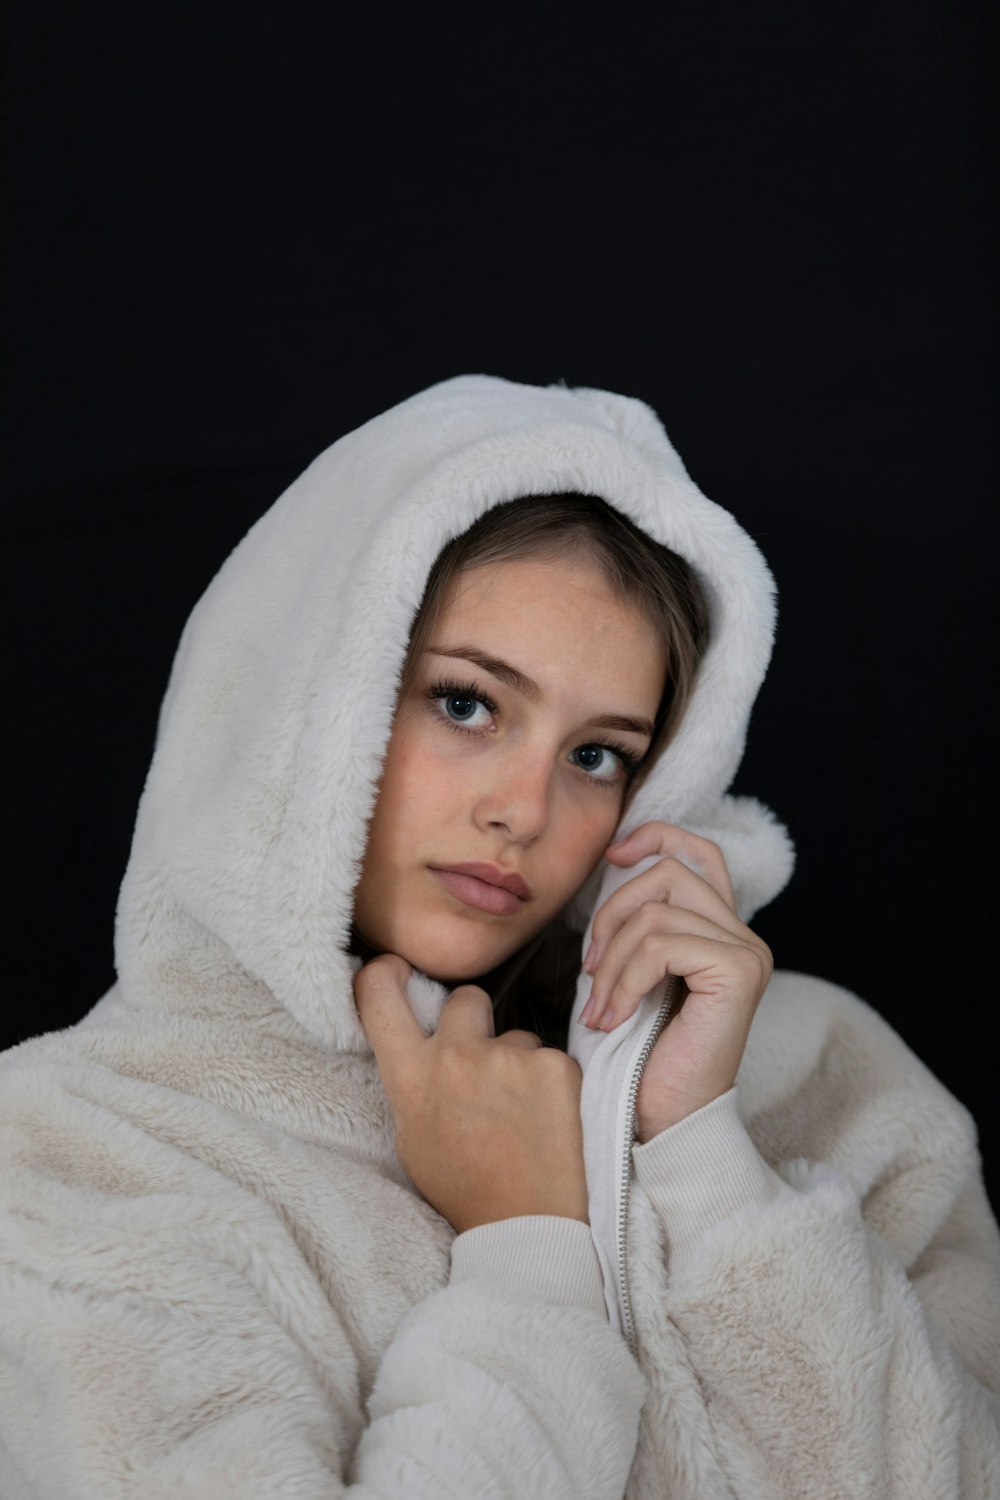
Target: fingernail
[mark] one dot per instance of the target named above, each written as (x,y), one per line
(607,1021)
(590,957)
(595,962)
(597,1009)
(585,1013)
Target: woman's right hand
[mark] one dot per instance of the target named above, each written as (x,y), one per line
(487,1127)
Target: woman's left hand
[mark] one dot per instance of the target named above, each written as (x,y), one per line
(668,920)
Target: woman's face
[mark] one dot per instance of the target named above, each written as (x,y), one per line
(500,756)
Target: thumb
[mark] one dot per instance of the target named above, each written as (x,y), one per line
(384,1010)
(627,849)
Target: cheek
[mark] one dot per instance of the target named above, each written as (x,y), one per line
(587,833)
(416,785)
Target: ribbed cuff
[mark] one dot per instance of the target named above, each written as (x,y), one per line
(542,1252)
(702,1171)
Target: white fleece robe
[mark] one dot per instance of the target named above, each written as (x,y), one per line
(216,1280)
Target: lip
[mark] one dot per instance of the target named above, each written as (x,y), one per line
(485,886)
(507,880)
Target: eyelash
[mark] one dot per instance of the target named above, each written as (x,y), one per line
(449,687)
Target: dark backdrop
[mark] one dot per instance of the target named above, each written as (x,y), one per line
(237,231)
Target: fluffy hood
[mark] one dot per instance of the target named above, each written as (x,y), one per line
(251,828)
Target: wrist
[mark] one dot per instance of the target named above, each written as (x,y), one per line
(548,1254)
(478,1217)
(648,1127)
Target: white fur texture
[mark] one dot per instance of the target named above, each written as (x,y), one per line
(273,729)
(216,1281)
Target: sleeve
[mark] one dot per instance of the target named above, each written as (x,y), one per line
(149,1348)
(534,1395)
(555,1256)
(828,1366)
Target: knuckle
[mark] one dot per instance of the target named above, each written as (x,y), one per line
(557,1062)
(469,994)
(620,992)
(626,994)
(651,943)
(530,1038)
(456,1059)
(711,855)
(607,916)
(752,963)
(673,877)
(601,923)
(746,957)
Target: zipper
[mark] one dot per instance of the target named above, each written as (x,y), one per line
(662,1016)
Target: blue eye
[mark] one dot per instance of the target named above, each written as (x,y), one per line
(626,762)
(591,758)
(458,703)
(461,706)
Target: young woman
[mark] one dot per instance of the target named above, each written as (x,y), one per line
(446,1131)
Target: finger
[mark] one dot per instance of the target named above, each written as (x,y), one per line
(385,1012)
(711,968)
(668,882)
(651,923)
(704,856)
(653,918)
(525,1039)
(467,1015)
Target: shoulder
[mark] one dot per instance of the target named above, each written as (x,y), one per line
(826,1081)
(809,1029)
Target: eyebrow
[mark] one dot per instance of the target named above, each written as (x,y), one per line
(528,688)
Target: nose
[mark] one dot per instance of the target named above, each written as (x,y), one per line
(517,795)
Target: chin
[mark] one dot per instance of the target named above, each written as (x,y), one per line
(452,968)
(458,956)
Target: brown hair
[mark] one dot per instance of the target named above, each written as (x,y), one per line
(534,988)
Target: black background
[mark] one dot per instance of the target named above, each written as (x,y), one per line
(237,231)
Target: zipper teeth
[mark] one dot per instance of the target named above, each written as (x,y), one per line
(662,1016)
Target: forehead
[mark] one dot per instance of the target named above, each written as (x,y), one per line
(554,614)
(546,583)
